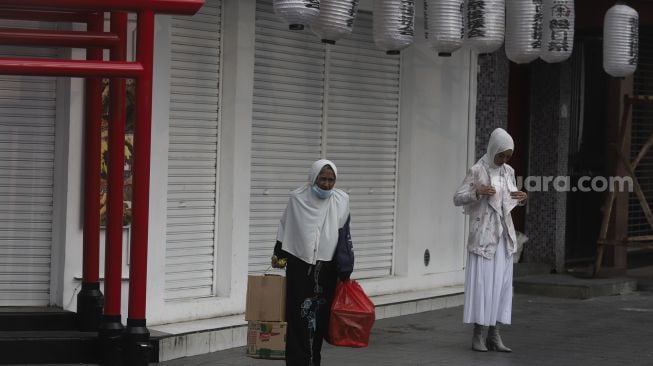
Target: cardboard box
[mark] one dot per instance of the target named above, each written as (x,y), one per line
(266,340)
(266,298)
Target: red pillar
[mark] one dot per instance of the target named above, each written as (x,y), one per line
(137,335)
(111,330)
(89,299)
(113,246)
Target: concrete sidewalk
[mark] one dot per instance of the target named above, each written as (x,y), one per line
(609,330)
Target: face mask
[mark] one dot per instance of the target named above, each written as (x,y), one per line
(321,193)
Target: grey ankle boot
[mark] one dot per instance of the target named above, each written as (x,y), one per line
(494,342)
(478,340)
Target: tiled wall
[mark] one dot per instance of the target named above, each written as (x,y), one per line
(548,156)
(492,97)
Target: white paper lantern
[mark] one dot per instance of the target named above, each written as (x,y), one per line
(523,30)
(620,40)
(336,19)
(444,28)
(298,13)
(485,24)
(557,30)
(394,24)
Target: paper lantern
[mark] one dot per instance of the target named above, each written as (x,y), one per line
(523,30)
(336,19)
(443,25)
(557,30)
(485,24)
(394,24)
(297,13)
(620,40)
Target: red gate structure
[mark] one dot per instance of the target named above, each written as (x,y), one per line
(130,344)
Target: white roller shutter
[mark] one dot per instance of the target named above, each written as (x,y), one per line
(27,125)
(193,153)
(286,124)
(358,130)
(362,125)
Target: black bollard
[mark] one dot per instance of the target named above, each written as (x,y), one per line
(137,344)
(90,303)
(110,335)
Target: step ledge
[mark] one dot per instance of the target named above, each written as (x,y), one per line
(192,338)
(410,296)
(232,321)
(201,325)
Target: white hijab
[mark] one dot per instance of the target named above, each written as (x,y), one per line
(309,226)
(500,141)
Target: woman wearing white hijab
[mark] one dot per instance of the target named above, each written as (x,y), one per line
(316,215)
(488,194)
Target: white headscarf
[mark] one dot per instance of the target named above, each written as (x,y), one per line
(316,168)
(500,141)
(309,226)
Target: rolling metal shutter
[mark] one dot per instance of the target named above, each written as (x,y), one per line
(362,138)
(292,127)
(286,124)
(27,137)
(193,154)
(642,129)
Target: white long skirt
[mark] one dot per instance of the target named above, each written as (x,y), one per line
(488,288)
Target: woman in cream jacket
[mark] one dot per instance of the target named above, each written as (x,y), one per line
(488,195)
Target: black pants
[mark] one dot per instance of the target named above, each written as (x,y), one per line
(309,293)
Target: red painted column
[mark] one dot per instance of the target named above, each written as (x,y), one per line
(111,330)
(141,177)
(113,246)
(137,335)
(89,299)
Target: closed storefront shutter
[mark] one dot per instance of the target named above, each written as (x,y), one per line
(193,153)
(27,136)
(363,114)
(295,75)
(286,124)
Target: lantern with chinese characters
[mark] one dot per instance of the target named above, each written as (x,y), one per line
(557,30)
(523,30)
(620,40)
(394,24)
(443,25)
(297,13)
(485,24)
(336,19)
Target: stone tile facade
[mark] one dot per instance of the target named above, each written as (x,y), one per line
(491,97)
(546,218)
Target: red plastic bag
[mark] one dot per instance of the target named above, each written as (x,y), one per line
(352,316)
